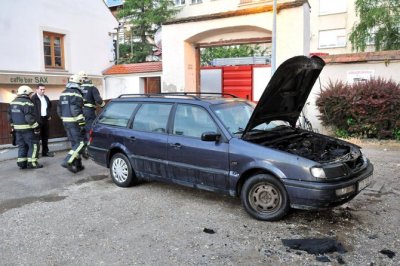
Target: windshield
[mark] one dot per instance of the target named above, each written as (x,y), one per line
(236,115)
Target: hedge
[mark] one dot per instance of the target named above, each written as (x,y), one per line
(367,109)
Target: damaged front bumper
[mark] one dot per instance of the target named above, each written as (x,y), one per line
(322,195)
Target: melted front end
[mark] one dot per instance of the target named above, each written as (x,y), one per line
(310,145)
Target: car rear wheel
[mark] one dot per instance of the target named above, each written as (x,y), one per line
(121,171)
(265,198)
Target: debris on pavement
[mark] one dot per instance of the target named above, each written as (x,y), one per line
(315,245)
(388,253)
(208,231)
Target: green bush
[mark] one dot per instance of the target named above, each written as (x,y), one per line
(369,109)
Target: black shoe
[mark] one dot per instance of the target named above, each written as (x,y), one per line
(72,168)
(48,154)
(77,164)
(22,165)
(35,166)
(85,154)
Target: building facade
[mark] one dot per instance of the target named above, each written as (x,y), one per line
(331,25)
(206,23)
(47,41)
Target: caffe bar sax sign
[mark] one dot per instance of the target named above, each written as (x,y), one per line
(28,79)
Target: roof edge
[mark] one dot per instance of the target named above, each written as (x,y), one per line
(362,57)
(240,12)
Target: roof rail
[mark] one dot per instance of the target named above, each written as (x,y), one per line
(195,95)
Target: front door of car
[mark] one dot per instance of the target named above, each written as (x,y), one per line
(147,140)
(192,161)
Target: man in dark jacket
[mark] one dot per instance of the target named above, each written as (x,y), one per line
(21,115)
(69,109)
(42,108)
(91,98)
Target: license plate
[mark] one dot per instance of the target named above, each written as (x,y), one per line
(364,183)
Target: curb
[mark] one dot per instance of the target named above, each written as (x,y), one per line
(9,151)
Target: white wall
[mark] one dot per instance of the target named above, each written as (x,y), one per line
(126,84)
(211,80)
(86,25)
(261,77)
(336,72)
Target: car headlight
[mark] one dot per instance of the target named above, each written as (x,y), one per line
(330,171)
(318,172)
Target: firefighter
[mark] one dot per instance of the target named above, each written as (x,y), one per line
(21,115)
(91,98)
(69,108)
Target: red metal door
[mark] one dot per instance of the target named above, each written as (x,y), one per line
(238,80)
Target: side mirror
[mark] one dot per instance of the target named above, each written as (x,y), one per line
(210,136)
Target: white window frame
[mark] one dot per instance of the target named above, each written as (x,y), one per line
(179,2)
(194,2)
(334,38)
(327,7)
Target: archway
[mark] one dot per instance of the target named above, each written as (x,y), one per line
(245,34)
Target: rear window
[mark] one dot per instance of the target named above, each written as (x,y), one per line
(117,114)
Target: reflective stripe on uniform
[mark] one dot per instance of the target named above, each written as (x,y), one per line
(24,126)
(20,160)
(33,159)
(75,153)
(21,103)
(72,119)
(89,105)
(71,94)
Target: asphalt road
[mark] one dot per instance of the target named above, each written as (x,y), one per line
(52,217)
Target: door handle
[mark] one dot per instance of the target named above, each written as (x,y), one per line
(133,138)
(176,146)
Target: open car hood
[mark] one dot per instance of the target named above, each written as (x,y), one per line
(287,91)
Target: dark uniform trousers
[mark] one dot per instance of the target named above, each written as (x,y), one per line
(76,137)
(28,148)
(90,115)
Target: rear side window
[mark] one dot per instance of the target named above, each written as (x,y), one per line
(152,117)
(117,114)
(192,121)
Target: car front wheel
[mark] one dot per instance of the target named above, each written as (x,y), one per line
(265,198)
(121,171)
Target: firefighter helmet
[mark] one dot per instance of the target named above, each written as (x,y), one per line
(75,79)
(24,90)
(83,74)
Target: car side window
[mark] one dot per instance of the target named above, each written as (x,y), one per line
(152,117)
(117,114)
(192,121)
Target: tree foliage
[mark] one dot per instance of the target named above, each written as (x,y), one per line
(379,24)
(243,50)
(145,17)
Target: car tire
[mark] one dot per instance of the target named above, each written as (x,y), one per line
(265,198)
(121,171)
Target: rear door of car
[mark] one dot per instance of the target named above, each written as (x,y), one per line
(110,129)
(193,162)
(147,140)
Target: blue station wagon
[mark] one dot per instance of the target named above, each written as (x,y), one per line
(225,144)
